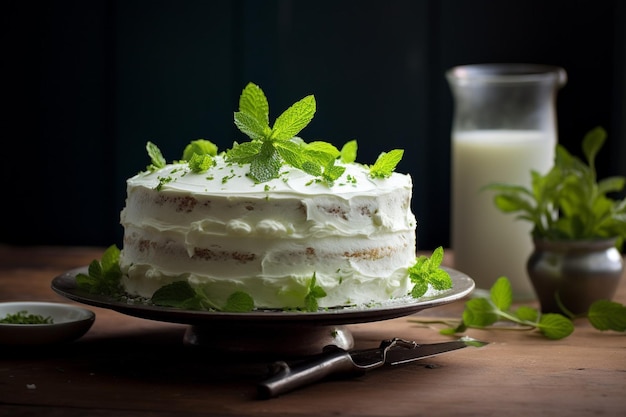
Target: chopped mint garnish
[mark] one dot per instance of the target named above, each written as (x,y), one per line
(200,163)
(156,157)
(162,182)
(315,292)
(103,276)
(23,317)
(386,163)
(427,271)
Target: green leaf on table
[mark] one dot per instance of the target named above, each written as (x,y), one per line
(527,313)
(479,312)
(555,326)
(607,315)
(501,294)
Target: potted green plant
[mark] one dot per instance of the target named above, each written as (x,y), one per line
(578,229)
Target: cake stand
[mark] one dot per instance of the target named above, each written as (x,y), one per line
(271,332)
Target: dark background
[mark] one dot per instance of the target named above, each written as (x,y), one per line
(87,83)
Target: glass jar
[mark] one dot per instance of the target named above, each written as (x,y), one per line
(504,126)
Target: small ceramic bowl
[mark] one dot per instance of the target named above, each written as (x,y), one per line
(68,323)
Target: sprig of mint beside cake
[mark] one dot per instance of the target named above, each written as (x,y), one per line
(271,223)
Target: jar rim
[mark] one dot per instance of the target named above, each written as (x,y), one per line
(507,72)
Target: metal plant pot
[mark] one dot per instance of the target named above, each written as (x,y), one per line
(574,273)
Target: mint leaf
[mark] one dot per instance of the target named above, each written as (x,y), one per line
(419,288)
(501,294)
(252,127)
(315,292)
(386,163)
(254,103)
(200,147)
(178,294)
(294,119)
(607,315)
(104,275)
(244,153)
(348,152)
(290,152)
(555,326)
(239,302)
(479,312)
(526,313)
(110,260)
(156,157)
(266,164)
(427,271)
(332,172)
(321,153)
(592,143)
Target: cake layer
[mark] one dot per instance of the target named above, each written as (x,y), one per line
(275,272)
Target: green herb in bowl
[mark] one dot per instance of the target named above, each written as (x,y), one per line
(23,317)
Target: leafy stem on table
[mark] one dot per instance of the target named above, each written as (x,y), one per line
(496,309)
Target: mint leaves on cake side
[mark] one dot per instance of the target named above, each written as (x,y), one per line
(427,272)
(180,294)
(103,276)
(315,292)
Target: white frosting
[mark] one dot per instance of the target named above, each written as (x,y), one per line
(223,232)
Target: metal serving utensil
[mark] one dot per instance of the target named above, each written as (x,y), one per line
(336,361)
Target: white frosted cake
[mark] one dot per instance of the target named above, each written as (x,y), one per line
(222,231)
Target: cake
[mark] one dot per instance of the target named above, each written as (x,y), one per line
(319,228)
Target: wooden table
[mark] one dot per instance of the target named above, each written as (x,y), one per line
(135,367)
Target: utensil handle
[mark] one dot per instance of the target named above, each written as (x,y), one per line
(286,378)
